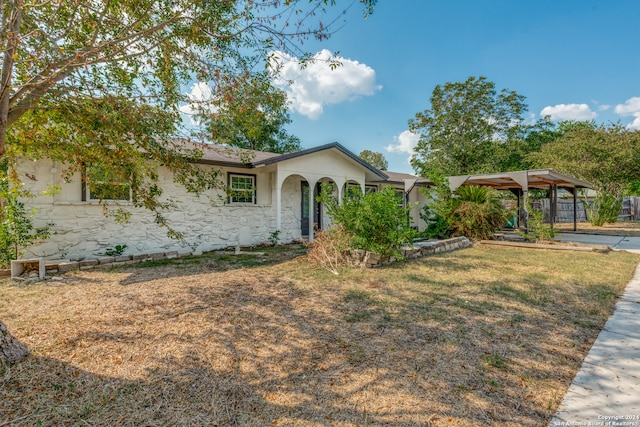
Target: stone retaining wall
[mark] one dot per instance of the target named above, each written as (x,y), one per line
(371,259)
(362,258)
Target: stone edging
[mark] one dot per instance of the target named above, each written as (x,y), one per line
(372,260)
(554,247)
(359,257)
(61,266)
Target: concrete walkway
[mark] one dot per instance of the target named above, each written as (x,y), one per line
(606,389)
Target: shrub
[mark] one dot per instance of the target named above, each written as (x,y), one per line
(472,211)
(537,229)
(603,208)
(376,222)
(17,231)
(329,249)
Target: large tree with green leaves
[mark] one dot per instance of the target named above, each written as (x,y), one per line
(88,82)
(375,159)
(469,128)
(606,156)
(91,82)
(250,114)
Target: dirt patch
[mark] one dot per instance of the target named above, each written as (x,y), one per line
(481,336)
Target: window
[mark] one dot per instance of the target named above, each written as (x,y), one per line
(102,184)
(370,189)
(242,188)
(401,197)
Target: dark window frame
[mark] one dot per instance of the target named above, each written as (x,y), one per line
(86,195)
(254,193)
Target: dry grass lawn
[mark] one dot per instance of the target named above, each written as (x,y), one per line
(478,337)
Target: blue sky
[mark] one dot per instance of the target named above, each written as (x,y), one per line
(573,59)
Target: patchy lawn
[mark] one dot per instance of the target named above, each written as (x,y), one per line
(477,337)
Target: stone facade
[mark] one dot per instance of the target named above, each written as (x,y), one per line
(209,221)
(81,230)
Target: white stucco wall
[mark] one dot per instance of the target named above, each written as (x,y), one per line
(81,230)
(417,200)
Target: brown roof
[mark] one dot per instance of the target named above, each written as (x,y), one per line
(229,156)
(221,155)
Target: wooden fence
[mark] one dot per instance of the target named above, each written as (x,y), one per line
(630,210)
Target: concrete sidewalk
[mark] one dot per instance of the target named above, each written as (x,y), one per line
(606,389)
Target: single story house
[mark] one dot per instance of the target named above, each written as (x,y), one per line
(272,192)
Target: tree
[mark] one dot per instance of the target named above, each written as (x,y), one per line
(251,114)
(468,128)
(374,159)
(99,83)
(606,156)
(516,151)
(124,64)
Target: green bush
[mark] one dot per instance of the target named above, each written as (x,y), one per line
(16,226)
(537,229)
(603,208)
(376,222)
(472,211)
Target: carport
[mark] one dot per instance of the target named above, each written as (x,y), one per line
(520,182)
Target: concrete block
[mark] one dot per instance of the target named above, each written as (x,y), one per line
(19,266)
(68,266)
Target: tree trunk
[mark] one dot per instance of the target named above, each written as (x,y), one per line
(10,348)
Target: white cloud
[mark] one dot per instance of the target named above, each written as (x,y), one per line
(568,112)
(200,97)
(405,142)
(315,84)
(601,107)
(631,107)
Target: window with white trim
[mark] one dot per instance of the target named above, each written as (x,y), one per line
(242,188)
(102,184)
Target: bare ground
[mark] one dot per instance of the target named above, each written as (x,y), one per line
(477,337)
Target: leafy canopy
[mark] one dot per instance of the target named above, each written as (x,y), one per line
(251,113)
(375,159)
(606,156)
(469,128)
(100,83)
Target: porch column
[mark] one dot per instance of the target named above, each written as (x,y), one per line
(278,203)
(312,206)
(553,203)
(522,179)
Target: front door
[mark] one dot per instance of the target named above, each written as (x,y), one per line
(304,207)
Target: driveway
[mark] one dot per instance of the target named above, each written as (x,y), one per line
(627,243)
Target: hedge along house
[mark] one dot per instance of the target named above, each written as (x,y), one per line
(270,193)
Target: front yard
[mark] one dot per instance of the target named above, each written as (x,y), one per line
(476,337)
